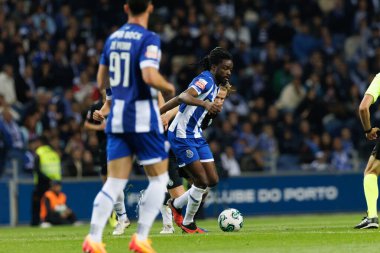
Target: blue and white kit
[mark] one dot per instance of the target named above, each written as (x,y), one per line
(185,133)
(134,125)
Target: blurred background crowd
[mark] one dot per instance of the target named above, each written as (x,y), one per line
(301,68)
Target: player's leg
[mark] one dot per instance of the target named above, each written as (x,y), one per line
(167,218)
(175,190)
(103,175)
(152,154)
(371,190)
(122,221)
(195,195)
(122,218)
(119,167)
(180,197)
(187,156)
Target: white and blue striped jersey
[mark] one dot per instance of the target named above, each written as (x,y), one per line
(134,103)
(187,122)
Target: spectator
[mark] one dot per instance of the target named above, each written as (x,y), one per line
(291,96)
(229,162)
(54,209)
(340,158)
(7,85)
(79,164)
(47,168)
(17,145)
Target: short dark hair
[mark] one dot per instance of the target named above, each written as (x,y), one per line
(216,56)
(138,6)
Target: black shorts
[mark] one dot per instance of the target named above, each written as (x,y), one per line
(376,151)
(103,161)
(182,173)
(174,179)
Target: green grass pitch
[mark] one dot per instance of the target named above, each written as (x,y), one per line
(297,233)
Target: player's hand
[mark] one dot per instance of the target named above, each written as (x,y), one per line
(98,116)
(373,134)
(212,108)
(165,121)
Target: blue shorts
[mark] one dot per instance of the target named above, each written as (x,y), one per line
(150,148)
(188,150)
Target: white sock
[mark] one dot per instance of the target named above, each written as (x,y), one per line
(181,201)
(103,205)
(151,203)
(194,200)
(166,214)
(119,208)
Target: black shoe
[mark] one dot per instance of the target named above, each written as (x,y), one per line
(368,223)
(192,229)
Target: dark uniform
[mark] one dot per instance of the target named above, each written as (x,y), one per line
(101,158)
(174,178)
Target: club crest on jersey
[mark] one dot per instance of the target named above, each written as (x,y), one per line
(189,153)
(201,83)
(152,51)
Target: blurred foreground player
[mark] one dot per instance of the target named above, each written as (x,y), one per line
(129,63)
(99,126)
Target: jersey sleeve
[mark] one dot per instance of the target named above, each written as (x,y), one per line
(151,52)
(108,94)
(104,57)
(374,88)
(201,85)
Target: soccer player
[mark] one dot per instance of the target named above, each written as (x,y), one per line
(130,62)
(99,126)
(175,187)
(185,134)
(371,172)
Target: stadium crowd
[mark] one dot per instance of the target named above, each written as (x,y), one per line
(301,68)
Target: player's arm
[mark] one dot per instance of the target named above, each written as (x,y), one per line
(92,126)
(168,116)
(99,115)
(189,97)
(369,98)
(153,78)
(150,63)
(102,77)
(161,100)
(92,123)
(365,118)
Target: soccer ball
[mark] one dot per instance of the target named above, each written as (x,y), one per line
(230,220)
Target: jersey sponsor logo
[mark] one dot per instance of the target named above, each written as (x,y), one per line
(189,153)
(152,51)
(201,83)
(126,35)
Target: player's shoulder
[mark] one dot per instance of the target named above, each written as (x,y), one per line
(151,35)
(205,78)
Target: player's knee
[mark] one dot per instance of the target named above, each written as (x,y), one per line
(213,182)
(201,182)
